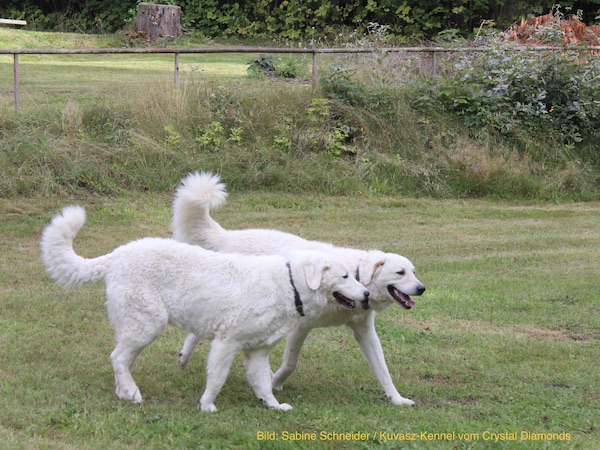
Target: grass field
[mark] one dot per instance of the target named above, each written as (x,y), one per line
(51,78)
(81,75)
(501,351)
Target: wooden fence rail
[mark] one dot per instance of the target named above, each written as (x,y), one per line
(433,51)
(20,23)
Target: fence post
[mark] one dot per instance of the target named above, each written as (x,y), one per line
(314,69)
(176,80)
(434,63)
(16,81)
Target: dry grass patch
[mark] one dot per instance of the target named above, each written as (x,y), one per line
(519,331)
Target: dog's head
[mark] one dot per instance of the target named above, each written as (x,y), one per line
(331,277)
(389,277)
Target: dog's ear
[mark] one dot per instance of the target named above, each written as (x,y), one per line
(313,274)
(369,268)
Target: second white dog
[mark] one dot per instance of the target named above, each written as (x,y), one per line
(389,277)
(241,303)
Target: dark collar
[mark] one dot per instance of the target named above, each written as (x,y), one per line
(297,300)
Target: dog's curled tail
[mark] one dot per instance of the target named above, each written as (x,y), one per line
(62,263)
(198,193)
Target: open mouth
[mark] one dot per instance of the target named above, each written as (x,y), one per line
(403,300)
(344,301)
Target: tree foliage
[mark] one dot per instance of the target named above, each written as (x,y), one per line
(70,15)
(292,19)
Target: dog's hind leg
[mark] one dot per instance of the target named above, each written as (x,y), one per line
(219,361)
(188,348)
(293,345)
(133,332)
(370,346)
(258,374)
(123,359)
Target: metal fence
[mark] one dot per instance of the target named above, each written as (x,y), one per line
(433,52)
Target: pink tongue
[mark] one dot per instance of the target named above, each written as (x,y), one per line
(407,300)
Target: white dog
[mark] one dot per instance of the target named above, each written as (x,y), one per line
(242,303)
(389,277)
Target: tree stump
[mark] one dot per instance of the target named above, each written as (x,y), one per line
(158,20)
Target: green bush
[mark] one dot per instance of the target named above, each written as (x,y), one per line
(355,132)
(508,90)
(285,66)
(292,20)
(95,16)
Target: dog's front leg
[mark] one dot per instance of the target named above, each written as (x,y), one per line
(218,363)
(370,346)
(258,374)
(188,348)
(291,354)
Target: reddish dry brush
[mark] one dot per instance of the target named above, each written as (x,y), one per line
(574,32)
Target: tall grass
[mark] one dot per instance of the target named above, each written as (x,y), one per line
(264,135)
(362,129)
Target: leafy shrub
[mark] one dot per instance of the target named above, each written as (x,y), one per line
(283,67)
(506,90)
(262,64)
(382,20)
(288,67)
(338,83)
(71,16)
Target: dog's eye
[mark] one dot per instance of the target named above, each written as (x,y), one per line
(345,276)
(402,272)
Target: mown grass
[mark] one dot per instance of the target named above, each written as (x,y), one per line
(505,340)
(57,77)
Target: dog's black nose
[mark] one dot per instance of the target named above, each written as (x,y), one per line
(420,290)
(364,304)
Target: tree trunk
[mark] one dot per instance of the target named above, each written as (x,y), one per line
(158,20)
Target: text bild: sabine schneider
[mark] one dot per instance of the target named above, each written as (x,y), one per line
(411,436)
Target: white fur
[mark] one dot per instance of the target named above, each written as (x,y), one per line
(241,303)
(192,223)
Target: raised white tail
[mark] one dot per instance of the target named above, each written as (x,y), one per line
(197,195)
(62,263)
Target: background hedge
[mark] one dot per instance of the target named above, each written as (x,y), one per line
(294,19)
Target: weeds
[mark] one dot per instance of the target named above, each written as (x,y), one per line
(280,66)
(373,125)
(507,90)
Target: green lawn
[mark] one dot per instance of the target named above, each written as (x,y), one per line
(84,75)
(500,352)
(502,346)
(81,75)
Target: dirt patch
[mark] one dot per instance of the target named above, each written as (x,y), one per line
(478,327)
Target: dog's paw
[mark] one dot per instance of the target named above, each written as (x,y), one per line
(283,407)
(183,360)
(276,383)
(133,396)
(210,408)
(401,401)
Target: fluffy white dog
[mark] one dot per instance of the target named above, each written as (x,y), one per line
(389,277)
(242,303)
